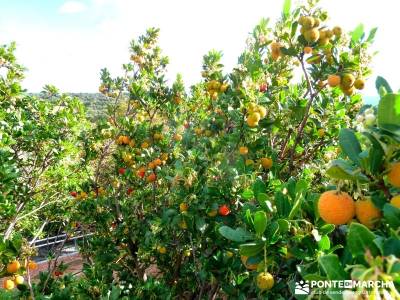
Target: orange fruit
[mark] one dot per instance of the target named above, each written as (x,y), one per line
(394,175)
(157,162)
(336,207)
(161,249)
(151,178)
(367,213)
(183,207)
(307,50)
(8,284)
(333,80)
(243,150)
(395,201)
(266,162)
(13,266)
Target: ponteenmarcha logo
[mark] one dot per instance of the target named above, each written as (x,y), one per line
(302,288)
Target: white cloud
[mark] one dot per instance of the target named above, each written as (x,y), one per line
(71,59)
(72,7)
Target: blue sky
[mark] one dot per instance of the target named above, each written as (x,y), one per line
(67,42)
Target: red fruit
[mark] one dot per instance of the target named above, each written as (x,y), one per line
(263,87)
(224,210)
(121,171)
(186,125)
(74,194)
(141,172)
(129,191)
(58,273)
(151,178)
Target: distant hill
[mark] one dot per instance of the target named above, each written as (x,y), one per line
(95,103)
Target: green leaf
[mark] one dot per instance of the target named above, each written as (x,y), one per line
(201,224)
(324,243)
(286,8)
(237,235)
(350,145)
(331,265)
(340,169)
(326,229)
(357,33)
(392,215)
(371,35)
(334,271)
(391,247)
(260,222)
(389,113)
(376,154)
(283,225)
(272,230)
(259,187)
(360,239)
(251,249)
(381,82)
(282,204)
(247,194)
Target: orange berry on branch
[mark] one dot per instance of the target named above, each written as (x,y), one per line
(336,207)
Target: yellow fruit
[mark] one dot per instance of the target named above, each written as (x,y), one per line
(13,266)
(317,22)
(161,249)
(8,284)
(177,137)
(309,22)
(145,145)
(333,80)
(336,207)
(308,50)
(321,132)
(394,175)
(19,280)
(359,84)
(248,266)
(262,111)
(311,35)
(337,31)
(266,162)
(275,50)
(348,91)
(223,87)
(249,162)
(253,119)
(183,207)
(251,107)
(229,253)
(301,20)
(347,80)
(243,150)
(214,96)
(265,281)
(164,157)
(158,136)
(367,213)
(395,201)
(212,213)
(323,42)
(187,253)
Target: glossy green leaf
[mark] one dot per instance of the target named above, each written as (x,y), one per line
(260,222)
(350,145)
(360,239)
(237,235)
